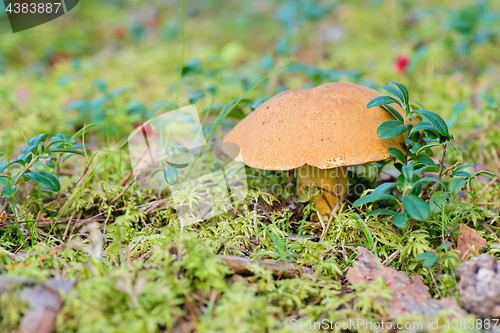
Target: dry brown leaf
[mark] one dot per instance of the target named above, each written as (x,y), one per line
(44,301)
(469,242)
(408,294)
(240,266)
(4,216)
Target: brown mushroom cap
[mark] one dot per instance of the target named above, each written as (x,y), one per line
(327,127)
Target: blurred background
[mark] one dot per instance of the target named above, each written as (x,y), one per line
(116,63)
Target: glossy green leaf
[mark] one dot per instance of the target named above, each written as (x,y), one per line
(382,188)
(35,141)
(65,151)
(393,111)
(416,207)
(6,192)
(391,129)
(444,246)
(428,259)
(381,100)
(397,154)
(418,105)
(381,211)
(4,180)
(423,125)
(430,145)
(370,198)
(435,120)
(394,91)
(177,165)
(81,131)
(438,200)
(400,220)
(171,175)
(403,90)
(456,185)
(428,180)
(44,178)
(408,171)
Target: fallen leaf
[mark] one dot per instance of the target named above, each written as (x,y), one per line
(44,299)
(4,216)
(240,266)
(44,305)
(408,294)
(469,242)
(479,286)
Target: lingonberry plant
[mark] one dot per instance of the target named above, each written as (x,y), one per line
(27,166)
(415,191)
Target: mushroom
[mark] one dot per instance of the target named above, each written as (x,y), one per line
(319,131)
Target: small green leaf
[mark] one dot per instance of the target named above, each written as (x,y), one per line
(381,211)
(435,120)
(171,175)
(397,154)
(369,198)
(393,111)
(382,188)
(4,180)
(44,178)
(429,259)
(461,174)
(430,145)
(101,85)
(423,125)
(408,171)
(416,207)
(438,200)
(428,180)
(404,91)
(65,151)
(35,141)
(381,100)
(6,192)
(430,262)
(394,91)
(81,131)
(195,97)
(444,246)
(418,105)
(391,129)
(177,165)
(50,164)
(400,220)
(456,185)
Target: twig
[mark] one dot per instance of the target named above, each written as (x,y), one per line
(79,180)
(124,190)
(179,244)
(255,227)
(390,258)
(486,187)
(136,243)
(327,228)
(10,254)
(435,283)
(239,266)
(323,227)
(484,203)
(491,231)
(24,264)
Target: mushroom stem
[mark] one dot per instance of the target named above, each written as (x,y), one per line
(332,185)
